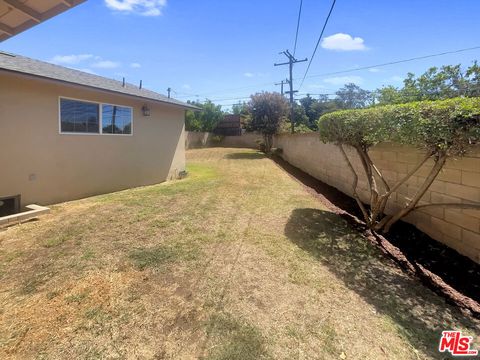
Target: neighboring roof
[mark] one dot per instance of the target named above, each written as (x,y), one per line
(23,65)
(19,15)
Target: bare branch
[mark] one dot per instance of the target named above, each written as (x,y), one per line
(439,162)
(380,175)
(382,222)
(354,185)
(368,172)
(408,176)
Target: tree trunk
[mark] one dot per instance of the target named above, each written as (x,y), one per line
(354,186)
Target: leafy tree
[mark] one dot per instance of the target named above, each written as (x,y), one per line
(410,91)
(300,117)
(352,96)
(446,82)
(245,117)
(204,120)
(441,128)
(308,104)
(473,79)
(388,95)
(268,111)
(314,108)
(240,108)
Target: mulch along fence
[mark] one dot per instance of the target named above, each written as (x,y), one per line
(439,267)
(459,182)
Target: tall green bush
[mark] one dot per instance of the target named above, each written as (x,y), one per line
(268,111)
(440,128)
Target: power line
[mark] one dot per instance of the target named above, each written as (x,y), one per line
(234,98)
(342,71)
(318,42)
(395,62)
(232,89)
(298,27)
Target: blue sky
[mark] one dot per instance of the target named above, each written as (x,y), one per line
(225,50)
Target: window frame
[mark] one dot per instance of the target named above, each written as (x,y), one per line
(100,117)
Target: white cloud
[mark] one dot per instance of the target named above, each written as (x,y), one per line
(186,86)
(396,78)
(343,42)
(85,60)
(141,7)
(342,80)
(374,70)
(258,74)
(106,64)
(71,59)
(135,65)
(316,86)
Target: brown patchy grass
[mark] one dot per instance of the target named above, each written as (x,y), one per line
(237,261)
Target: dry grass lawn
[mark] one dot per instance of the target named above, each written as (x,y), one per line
(237,261)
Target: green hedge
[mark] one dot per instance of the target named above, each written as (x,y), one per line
(450,125)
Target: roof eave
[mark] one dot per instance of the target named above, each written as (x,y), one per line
(182,105)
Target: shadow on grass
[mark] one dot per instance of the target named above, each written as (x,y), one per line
(419,314)
(245,156)
(236,339)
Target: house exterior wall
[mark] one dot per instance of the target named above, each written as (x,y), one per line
(459,182)
(47,167)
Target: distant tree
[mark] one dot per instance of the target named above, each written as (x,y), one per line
(192,118)
(410,91)
(441,83)
(245,117)
(240,108)
(473,79)
(311,111)
(268,111)
(437,83)
(352,96)
(300,117)
(314,108)
(204,120)
(388,95)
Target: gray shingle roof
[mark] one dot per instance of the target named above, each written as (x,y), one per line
(24,65)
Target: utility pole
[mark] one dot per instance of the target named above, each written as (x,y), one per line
(291,60)
(281,83)
(169,89)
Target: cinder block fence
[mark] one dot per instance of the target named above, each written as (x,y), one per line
(459,182)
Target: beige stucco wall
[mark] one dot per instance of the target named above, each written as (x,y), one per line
(47,167)
(459,182)
(195,139)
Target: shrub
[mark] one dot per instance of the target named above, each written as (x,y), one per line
(441,128)
(268,111)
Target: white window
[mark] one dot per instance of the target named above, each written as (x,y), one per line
(79,116)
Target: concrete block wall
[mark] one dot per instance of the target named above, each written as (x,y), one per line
(194,139)
(203,139)
(459,182)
